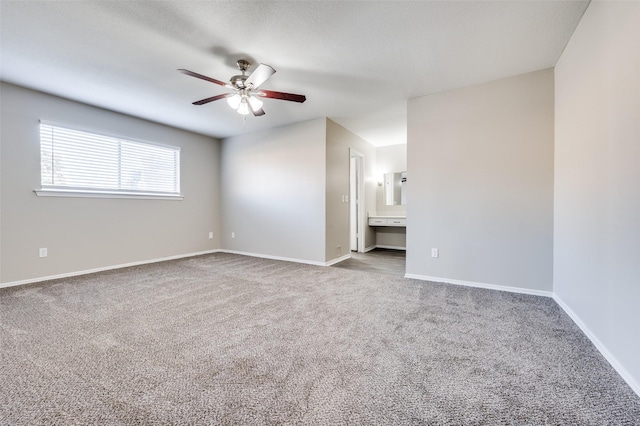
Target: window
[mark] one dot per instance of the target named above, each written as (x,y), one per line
(77,162)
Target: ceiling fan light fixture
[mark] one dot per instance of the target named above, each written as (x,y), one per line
(255,103)
(243,108)
(234,101)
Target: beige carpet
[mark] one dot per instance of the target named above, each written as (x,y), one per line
(227,339)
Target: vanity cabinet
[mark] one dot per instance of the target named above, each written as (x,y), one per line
(398,221)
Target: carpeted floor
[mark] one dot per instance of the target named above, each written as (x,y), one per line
(227,339)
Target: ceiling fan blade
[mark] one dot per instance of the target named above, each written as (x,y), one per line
(257,112)
(281,95)
(202,77)
(259,76)
(213,98)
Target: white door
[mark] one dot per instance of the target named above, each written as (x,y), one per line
(356,201)
(353,208)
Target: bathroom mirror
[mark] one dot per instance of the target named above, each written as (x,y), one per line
(395,185)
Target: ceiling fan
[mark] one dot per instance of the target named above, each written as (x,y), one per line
(246,89)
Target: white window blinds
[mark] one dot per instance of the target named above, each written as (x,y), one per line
(74,160)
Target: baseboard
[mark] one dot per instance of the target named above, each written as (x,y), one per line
(338,260)
(391,247)
(163,259)
(481,285)
(268,256)
(633,384)
(105,268)
(384,247)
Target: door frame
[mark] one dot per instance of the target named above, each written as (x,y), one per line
(359,201)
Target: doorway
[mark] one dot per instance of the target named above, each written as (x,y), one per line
(356,201)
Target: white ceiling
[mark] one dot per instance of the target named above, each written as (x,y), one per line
(357,62)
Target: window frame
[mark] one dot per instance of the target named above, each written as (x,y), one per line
(80,192)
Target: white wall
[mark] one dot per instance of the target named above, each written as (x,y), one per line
(339,142)
(390,159)
(480,170)
(88,233)
(273,192)
(597,180)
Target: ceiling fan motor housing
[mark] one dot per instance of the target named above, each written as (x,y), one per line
(243,65)
(237,81)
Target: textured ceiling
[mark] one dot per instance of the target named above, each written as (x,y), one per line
(357,62)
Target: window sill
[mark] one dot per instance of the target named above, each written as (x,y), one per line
(104,194)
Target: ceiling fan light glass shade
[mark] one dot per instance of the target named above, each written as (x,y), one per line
(255,103)
(234,101)
(243,108)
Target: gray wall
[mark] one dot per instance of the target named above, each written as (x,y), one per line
(273,192)
(339,143)
(597,179)
(89,233)
(480,165)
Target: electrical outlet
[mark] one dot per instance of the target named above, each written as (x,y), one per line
(233,235)
(435,252)
(210,235)
(42,252)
